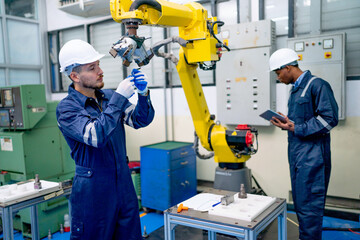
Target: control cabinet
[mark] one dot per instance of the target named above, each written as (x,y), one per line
(22,107)
(168,174)
(324,56)
(245,86)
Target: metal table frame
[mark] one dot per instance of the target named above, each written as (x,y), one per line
(7,211)
(214,224)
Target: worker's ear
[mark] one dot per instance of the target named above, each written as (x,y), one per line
(289,68)
(74,76)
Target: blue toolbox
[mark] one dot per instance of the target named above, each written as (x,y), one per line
(168,174)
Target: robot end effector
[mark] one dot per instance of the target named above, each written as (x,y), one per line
(131,48)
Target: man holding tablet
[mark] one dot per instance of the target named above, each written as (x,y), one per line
(313,112)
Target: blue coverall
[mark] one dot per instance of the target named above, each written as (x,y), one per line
(313,108)
(103,201)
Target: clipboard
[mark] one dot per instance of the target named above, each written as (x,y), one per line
(269,114)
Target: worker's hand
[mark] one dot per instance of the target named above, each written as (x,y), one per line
(287,125)
(126,87)
(140,80)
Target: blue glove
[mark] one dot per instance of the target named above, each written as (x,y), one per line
(140,81)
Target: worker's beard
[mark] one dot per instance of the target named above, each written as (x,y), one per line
(101,82)
(100,86)
(96,85)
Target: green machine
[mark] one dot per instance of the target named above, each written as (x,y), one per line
(135,177)
(31,143)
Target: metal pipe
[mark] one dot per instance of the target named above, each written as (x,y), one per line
(238,11)
(165,84)
(213,8)
(261,9)
(291,31)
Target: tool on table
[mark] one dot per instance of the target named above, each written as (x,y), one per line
(37,184)
(216,204)
(181,207)
(227,199)
(242,193)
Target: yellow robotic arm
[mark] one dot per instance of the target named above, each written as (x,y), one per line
(198,45)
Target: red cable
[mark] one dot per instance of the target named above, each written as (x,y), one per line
(353,231)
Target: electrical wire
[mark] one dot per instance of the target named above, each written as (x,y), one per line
(196,148)
(258,185)
(353,231)
(211,28)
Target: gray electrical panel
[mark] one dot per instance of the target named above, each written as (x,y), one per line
(245,86)
(324,56)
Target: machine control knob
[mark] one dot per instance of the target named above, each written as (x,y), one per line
(249,138)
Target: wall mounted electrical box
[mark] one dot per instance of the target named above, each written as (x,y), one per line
(324,56)
(245,86)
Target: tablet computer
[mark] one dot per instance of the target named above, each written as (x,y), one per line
(269,114)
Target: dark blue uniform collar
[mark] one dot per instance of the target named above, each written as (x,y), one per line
(82,99)
(304,79)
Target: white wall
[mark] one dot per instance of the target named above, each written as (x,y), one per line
(269,165)
(57,19)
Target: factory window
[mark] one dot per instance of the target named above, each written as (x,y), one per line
(19,77)
(21,61)
(278,12)
(302,16)
(59,81)
(102,37)
(19,52)
(340,14)
(2,77)
(21,8)
(2,53)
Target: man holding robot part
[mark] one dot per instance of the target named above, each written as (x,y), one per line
(103,201)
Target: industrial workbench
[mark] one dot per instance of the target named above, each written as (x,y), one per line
(9,208)
(247,230)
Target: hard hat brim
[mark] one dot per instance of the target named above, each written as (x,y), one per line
(87,61)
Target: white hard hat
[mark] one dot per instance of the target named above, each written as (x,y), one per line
(282,57)
(77,52)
